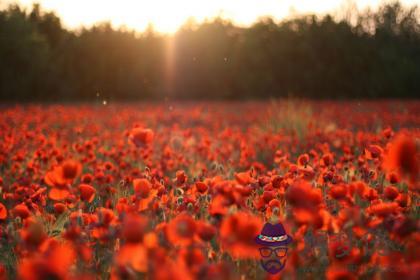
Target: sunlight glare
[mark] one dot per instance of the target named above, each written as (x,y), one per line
(168,15)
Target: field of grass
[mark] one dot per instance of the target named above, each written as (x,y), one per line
(181,190)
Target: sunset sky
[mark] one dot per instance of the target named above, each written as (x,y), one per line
(168,15)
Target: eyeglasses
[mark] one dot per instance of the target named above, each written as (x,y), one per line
(267,251)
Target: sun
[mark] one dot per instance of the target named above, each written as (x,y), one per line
(166,16)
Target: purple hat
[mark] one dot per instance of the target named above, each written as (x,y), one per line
(273,235)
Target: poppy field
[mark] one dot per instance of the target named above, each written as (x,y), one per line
(181,190)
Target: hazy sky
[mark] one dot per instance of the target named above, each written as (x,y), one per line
(168,15)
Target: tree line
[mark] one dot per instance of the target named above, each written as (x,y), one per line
(375,56)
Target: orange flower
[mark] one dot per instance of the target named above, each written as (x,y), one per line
(60,178)
(105,215)
(87,192)
(383,209)
(326,160)
(87,178)
(181,230)
(338,192)
(181,178)
(339,273)
(71,169)
(59,208)
(21,210)
(53,264)
(373,151)
(144,190)
(244,178)
(58,194)
(141,136)
(192,258)
(205,231)
(267,196)
(63,174)
(133,228)
(303,160)
(133,255)
(391,192)
(201,187)
(402,157)
(3,212)
(302,195)
(219,205)
(142,187)
(2,272)
(34,234)
(237,234)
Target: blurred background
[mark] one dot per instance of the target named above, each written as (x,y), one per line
(350,53)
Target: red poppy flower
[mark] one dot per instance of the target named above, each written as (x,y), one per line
(326,160)
(133,228)
(302,195)
(59,208)
(34,234)
(58,194)
(105,215)
(60,178)
(3,272)
(3,212)
(201,187)
(87,178)
(21,210)
(205,231)
(268,196)
(373,151)
(181,178)
(393,177)
(244,178)
(339,273)
(402,157)
(391,192)
(53,264)
(219,205)
(141,136)
(338,191)
(87,192)
(383,209)
(133,256)
(181,230)
(142,187)
(237,234)
(192,258)
(303,160)
(63,174)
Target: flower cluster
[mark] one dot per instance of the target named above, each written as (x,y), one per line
(131,191)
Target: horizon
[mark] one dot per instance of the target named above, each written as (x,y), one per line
(174,16)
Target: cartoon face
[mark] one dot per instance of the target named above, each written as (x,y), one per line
(273,258)
(273,245)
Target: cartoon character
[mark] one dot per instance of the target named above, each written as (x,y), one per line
(273,242)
